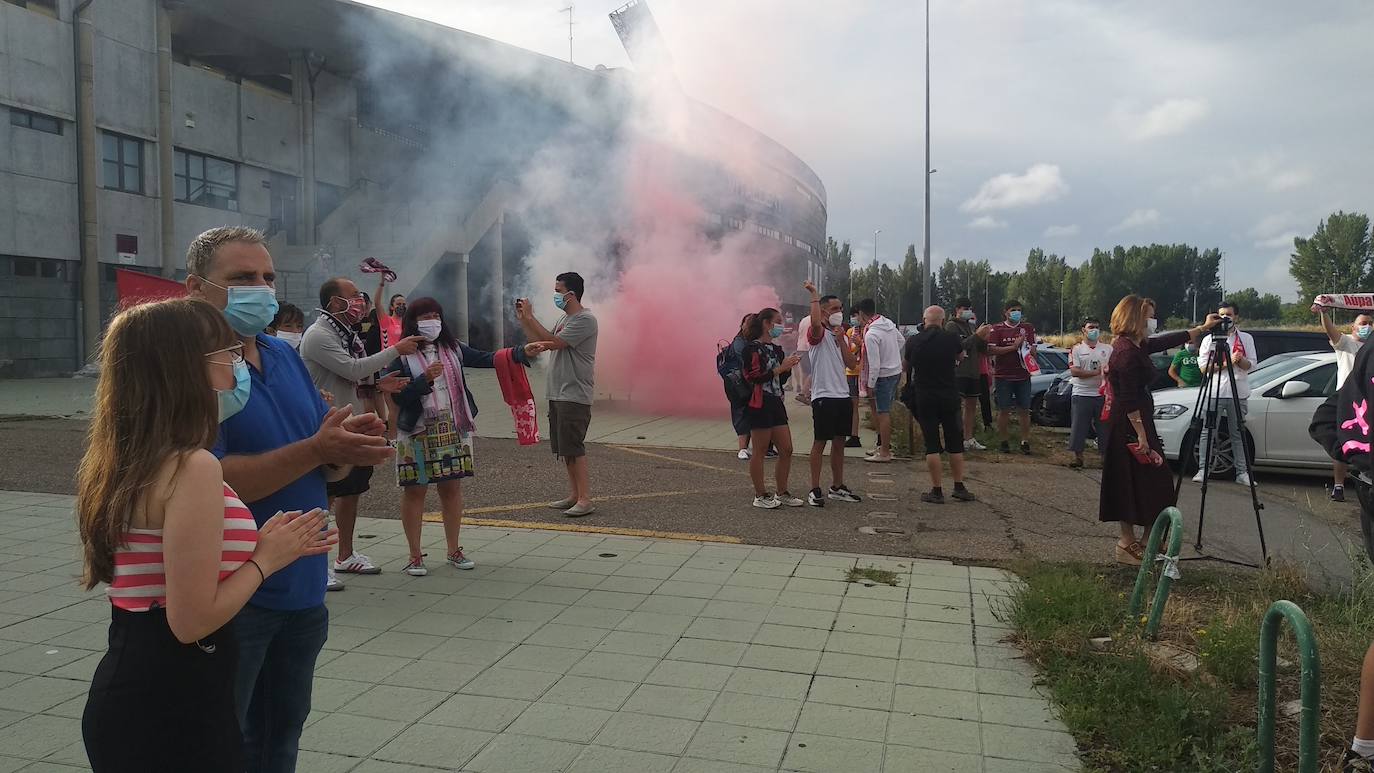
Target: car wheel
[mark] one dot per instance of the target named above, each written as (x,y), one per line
(1223,461)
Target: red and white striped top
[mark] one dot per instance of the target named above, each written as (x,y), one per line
(139,577)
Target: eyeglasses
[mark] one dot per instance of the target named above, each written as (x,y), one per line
(235,353)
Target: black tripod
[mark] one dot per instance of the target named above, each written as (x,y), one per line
(1205,410)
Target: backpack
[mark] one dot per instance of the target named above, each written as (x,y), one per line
(730,367)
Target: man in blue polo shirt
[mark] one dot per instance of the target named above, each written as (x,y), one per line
(277,452)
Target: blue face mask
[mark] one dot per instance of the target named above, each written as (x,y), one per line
(1362,332)
(249,309)
(231,401)
(1093,334)
(775,331)
(1015,317)
(560,300)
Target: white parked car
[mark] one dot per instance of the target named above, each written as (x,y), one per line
(1284,392)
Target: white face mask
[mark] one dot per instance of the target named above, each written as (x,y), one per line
(291,338)
(1151,325)
(836,319)
(429,328)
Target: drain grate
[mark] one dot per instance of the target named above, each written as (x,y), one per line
(886,531)
(882,514)
(882,497)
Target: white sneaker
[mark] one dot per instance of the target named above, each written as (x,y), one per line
(332,583)
(459,561)
(972,444)
(767,502)
(1243,479)
(416,567)
(357,564)
(786,498)
(1199,477)
(744,454)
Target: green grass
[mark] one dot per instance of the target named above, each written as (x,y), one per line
(1131,712)
(871,574)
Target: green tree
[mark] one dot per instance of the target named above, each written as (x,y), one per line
(838,260)
(1255,307)
(1336,259)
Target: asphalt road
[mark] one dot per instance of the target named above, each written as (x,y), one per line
(1028,506)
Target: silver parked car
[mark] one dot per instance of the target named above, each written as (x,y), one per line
(1284,392)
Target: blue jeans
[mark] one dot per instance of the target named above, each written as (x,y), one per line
(276,670)
(884,392)
(1013,394)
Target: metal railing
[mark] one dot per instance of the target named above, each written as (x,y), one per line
(1311,685)
(1171,519)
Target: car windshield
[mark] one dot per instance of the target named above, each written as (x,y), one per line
(1277,369)
(1052,362)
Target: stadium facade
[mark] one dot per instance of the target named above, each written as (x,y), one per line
(128,131)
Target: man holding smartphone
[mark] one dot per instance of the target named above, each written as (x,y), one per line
(571,383)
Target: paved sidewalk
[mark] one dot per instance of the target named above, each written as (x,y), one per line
(587,654)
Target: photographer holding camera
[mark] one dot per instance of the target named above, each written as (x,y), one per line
(1243,353)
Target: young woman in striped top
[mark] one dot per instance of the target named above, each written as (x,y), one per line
(179,550)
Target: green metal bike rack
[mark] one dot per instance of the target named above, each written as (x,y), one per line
(1311,685)
(1171,519)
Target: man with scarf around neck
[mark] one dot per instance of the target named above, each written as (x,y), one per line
(338,364)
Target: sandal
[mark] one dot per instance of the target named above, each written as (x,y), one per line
(1131,555)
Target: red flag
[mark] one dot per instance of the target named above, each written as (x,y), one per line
(136,287)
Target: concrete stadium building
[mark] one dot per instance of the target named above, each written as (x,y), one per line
(342,131)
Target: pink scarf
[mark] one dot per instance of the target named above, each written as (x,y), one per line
(453,380)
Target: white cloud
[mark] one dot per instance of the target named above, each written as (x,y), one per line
(1056,231)
(1269,171)
(1040,184)
(1140,218)
(1281,241)
(986,222)
(1172,116)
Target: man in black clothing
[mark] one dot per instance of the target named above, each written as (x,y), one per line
(930,358)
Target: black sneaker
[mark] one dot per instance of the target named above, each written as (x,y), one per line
(853,442)
(933,498)
(815,499)
(843,494)
(772,454)
(963,495)
(1338,493)
(1005,447)
(1025,447)
(1354,763)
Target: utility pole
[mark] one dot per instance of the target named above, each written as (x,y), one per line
(1061,305)
(569,11)
(925,272)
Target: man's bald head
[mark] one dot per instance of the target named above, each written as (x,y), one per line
(934,315)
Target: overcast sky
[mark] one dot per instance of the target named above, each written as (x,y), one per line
(1064,124)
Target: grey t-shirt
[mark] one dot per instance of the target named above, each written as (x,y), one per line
(572,376)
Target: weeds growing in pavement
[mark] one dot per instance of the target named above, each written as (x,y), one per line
(1131,710)
(859,574)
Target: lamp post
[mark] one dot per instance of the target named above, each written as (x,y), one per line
(877,269)
(925,268)
(1061,306)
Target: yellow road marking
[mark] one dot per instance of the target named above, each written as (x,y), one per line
(575,527)
(702,465)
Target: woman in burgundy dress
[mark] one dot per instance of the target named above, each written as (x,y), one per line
(1136,484)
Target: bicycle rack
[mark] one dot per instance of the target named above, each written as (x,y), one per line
(1171,518)
(1311,685)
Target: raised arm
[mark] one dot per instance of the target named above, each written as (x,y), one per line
(534,330)
(1332,332)
(326,350)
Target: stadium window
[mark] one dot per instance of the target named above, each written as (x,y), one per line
(205,180)
(121,162)
(35,121)
(45,7)
(25,267)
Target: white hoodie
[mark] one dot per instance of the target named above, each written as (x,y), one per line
(883,344)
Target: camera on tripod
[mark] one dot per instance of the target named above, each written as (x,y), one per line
(1224,327)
